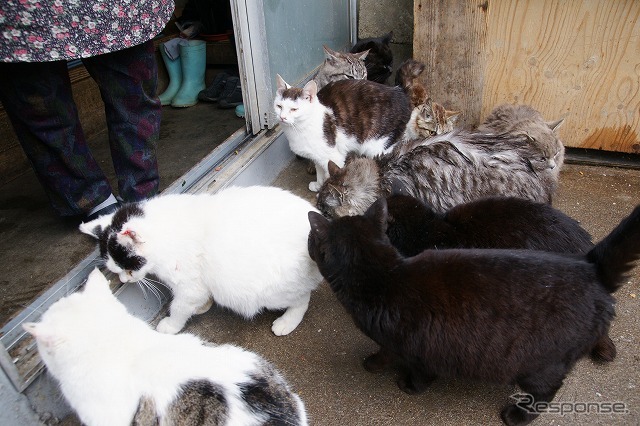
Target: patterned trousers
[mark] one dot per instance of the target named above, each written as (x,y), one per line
(38,100)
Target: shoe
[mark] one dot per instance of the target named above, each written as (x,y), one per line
(233,92)
(174,69)
(103,211)
(240,111)
(213,92)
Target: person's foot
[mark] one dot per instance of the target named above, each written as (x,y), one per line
(108,209)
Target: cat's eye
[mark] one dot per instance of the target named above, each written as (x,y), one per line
(294,109)
(278,106)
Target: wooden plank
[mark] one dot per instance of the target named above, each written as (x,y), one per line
(578,59)
(449,37)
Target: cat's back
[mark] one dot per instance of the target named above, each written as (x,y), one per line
(207,389)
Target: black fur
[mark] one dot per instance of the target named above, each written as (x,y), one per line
(494,222)
(504,316)
(379,61)
(108,239)
(265,397)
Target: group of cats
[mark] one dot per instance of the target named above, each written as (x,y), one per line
(445,251)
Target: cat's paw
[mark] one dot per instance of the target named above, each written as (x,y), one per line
(283,326)
(513,415)
(378,362)
(604,350)
(314,186)
(167,326)
(413,383)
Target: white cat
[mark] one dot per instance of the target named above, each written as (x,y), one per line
(344,116)
(113,369)
(245,248)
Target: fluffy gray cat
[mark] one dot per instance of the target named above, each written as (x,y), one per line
(451,169)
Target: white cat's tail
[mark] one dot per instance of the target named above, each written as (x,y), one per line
(617,253)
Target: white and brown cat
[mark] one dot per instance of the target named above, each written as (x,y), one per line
(344,116)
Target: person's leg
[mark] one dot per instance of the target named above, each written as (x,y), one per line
(38,100)
(128,80)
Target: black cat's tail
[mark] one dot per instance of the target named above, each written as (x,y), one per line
(616,254)
(408,71)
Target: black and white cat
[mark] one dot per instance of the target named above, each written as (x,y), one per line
(450,169)
(345,116)
(503,316)
(244,248)
(113,369)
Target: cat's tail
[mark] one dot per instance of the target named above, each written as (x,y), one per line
(407,72)
(616,254)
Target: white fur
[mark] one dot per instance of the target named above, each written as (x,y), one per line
(106,359)
(244,247)
(302,122)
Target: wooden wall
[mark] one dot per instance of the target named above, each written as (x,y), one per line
(578,59)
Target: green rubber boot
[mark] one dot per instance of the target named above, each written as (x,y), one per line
(174,69)
(193,56)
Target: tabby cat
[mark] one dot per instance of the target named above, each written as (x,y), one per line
(379,61)
(428,118)
(341,66)
(523,120)
(345,116)
(503,316)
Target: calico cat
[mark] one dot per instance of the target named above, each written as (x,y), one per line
(492,222)
(379,61)
(346,115)
(341,66)
(113,369)
(242,247)
(444,171)
(497,315)
(428,118)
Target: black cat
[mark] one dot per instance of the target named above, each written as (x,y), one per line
(505,316)
(379,61)
(493,222)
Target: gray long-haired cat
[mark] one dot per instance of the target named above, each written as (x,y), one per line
(451,169)
(113,369)
(341,66)
(345,116)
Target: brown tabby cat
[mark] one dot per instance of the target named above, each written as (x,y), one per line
(428,118)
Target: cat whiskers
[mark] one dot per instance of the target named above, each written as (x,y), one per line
(151,285)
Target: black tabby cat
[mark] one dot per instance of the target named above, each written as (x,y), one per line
(505,316)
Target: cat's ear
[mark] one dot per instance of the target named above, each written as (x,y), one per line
(451,116)
(555,125)
(96,226)
(362,55)
(310,90)
(319,224)
(97,283)
(387,38)
(350,157)
(329,53)
(282,85)
(333,168)
(378,213)
(45,335)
